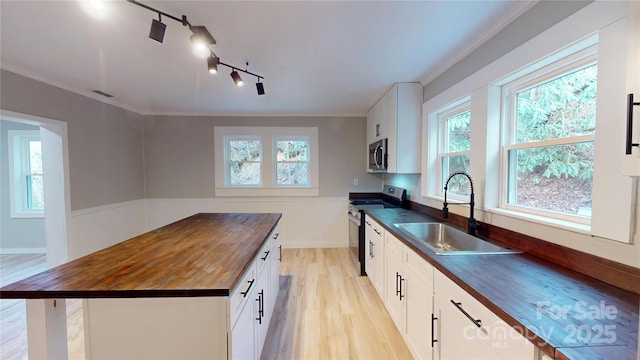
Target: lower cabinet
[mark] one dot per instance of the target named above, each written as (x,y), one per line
(253,301)
(374,254)
(437,318)
(409,295)
(467,329)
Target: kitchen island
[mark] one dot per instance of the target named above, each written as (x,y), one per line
(174,292)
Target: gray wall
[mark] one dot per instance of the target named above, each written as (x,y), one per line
(179,153)
(105,142)
(540,17)
(15,233)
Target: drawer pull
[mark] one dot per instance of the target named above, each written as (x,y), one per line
(477,322)
(266,254)
(246,292)
(433,330)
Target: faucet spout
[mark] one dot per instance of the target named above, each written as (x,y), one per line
(472,224)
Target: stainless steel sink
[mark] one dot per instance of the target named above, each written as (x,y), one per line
(445,240)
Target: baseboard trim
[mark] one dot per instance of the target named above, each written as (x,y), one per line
(14,251)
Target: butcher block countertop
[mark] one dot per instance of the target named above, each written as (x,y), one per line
(202,255)
(566,314)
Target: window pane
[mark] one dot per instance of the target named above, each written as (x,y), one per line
(291,150)
(459,132)
(292,173)
(244,173)
(35,192)
(244,150)
(35,157)
(559,108)
(458,185)
(555,178)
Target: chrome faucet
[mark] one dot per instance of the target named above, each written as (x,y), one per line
(472,224)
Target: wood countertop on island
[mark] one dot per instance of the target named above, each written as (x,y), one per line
(203,255)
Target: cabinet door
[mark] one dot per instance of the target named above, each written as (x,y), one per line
(419,306)
(378,259)
(274,272)
(395,289)
(261,315)
(242,336)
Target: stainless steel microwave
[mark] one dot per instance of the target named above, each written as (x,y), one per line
(378,156)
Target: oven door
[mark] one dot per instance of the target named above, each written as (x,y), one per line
(354,240)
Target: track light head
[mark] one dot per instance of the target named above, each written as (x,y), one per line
(201,39)
(260,87)
(157,30)
(236,78)
(212,64)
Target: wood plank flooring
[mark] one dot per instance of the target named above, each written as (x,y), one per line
(324,311)
(13,317)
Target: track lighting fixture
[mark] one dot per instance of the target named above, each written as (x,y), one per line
(201,40)
(212,64)
(157,29)
(260,87)
(236,78)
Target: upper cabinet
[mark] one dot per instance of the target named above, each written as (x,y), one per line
(396,117)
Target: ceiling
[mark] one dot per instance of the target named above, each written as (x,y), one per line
(316,57)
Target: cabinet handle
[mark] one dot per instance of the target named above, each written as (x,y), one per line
(377,130)
(477,322)
(266,254)
(377,231)
(246,292)
(401,281)
(397,287)
(275,236)
(280,248)
(433,330)
(260,301)
(630,105)
(373,250)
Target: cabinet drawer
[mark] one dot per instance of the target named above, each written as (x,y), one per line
(392,245)
(263,257)
(505,341)
(242,293)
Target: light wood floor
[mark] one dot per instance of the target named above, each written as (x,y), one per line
(324,311)
(13,318)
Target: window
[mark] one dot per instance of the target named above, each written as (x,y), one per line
(454,147)
(266,161)
(244,161)
(25,173)
(549,155)
(292,161)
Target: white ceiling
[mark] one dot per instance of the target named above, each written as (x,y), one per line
(317,57)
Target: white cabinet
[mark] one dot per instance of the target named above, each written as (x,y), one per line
(468,330)
(374,254)
(396,116)
(377,120)
(251,304)
(409,295)
(631,162)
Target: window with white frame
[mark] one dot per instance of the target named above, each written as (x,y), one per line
(548,156)
(266,161)
(26,178)
(243,160)
(454,148)
(292,160)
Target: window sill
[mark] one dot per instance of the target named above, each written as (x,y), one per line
(555,223)
(259,192)
(27,215)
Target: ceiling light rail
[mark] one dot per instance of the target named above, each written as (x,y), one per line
(201,40)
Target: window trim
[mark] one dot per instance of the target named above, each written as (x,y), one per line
(16,140)
(268,136)
(538,75)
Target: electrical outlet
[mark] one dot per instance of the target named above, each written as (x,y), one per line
(355,181)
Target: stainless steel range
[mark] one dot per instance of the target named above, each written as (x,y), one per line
(391,197)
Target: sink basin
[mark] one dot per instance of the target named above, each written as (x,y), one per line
(445,240)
